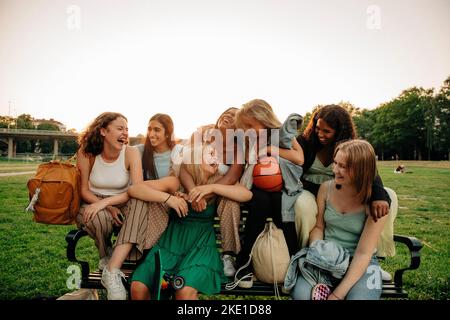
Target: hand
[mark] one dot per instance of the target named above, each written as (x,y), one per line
(378,209)
(181,195)
(179,205)
(91,210)
(199,206)
(116,214)
(198,192)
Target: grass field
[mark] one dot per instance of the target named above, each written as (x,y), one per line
(33,260)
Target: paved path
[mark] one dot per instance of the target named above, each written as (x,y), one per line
(9,174)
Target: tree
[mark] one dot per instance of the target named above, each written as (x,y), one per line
(5,121)
(47,126)
(69,147)
(24,121)
(441,111)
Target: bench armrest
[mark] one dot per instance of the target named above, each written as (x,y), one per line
(72,239)
(414,245)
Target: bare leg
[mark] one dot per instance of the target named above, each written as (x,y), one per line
(119,255)
(186,293)
(139,291)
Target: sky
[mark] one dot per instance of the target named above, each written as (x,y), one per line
(72,60)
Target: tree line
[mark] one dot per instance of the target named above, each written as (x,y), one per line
(413,126)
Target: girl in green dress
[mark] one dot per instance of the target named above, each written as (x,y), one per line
(188,246)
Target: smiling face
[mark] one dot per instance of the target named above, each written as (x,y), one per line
(116,133)
(325,133)
(157,134)
(227,119)
(210,162)
(342,173)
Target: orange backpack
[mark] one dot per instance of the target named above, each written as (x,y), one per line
(54,193)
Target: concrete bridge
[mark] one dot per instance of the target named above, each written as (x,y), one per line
(10,137)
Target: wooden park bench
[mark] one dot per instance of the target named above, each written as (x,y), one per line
(393,289)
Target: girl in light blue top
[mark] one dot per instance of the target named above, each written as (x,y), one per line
(146,216)
(342,217)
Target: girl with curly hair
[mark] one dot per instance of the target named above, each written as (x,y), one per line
(108,166)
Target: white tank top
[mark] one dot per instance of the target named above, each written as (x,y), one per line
(109,179)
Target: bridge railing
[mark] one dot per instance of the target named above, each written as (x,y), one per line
(38,132)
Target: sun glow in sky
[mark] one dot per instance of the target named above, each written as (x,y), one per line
(72,60)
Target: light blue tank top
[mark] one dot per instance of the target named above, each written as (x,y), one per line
(344,229)
(162,163)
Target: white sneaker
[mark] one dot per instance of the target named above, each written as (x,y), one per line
(112,281)
(385,276)
(228,265)
(103,262)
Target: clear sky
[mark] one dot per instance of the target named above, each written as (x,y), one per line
(71,60)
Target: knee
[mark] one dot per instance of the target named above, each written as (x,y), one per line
(305,206)
(139,291)
(186,293)
(301,290)
(102,220)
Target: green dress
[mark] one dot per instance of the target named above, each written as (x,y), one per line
(188,249)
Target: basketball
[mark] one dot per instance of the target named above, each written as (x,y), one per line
(267,175)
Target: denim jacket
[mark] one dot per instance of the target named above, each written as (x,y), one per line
(291,172)
(322,261)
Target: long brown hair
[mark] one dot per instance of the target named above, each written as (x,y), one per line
(91,141)
(337,118)
(148,163)
(361,164)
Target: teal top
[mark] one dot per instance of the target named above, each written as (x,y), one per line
(318,173)
(344,229)
(162,163)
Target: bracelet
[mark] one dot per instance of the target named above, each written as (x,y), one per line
(335,296)
(167,198)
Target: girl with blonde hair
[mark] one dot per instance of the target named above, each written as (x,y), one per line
(188,246)
(230,170)
(343,218)
(257,115)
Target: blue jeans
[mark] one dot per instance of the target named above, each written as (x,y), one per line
(368,287)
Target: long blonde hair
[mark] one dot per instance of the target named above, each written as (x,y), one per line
(361,164)
(193,165)
(261,111)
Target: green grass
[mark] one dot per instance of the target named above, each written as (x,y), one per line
(33,259)
(424,207)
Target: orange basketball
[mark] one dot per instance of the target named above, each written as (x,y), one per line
(267,175)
